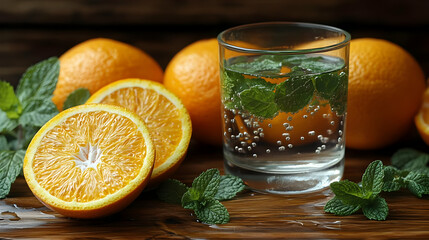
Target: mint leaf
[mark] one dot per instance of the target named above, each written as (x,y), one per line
(348,192)
(417,184)
(326,84)
(393,179)
(9,103)
(207,183)
(7,125)
(38,112)
(3,143)
(372,179)
(376,209)
(39,81)
(294,94)
(233,84)
(258,66)
(337,207)
(190,199)
(338,100)
(403,156)
(77,97)
(418,164)
(171,191)
(259,102)
(320,66)
(229,186)
(213,213)
(10,167)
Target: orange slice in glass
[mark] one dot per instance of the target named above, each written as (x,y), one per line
(164,114)
(90,161)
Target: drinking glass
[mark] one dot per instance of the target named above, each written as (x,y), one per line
(284,102)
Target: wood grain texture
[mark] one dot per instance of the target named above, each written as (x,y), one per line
(253,215)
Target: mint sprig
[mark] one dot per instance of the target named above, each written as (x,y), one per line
(245,86)
(409,170)
(77,97)
(350,197)
(204,196)
(22,113)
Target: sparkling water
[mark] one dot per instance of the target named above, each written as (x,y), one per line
(276,150)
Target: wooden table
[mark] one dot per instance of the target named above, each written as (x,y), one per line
(253,215)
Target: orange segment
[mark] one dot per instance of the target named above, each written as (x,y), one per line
(164,114)
(90,161)
(302,127)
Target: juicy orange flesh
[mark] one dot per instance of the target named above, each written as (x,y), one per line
(122,149)
(160,115)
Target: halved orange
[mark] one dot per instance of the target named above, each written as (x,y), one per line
(90,161)
(164,114)
(422,118)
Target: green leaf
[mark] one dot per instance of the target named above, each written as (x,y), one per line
(39,81)
(207,183)
(337,207)
(417,164)
(294,94)
(376,209)
(10,167)
(38,112)
(393,179)
(372,179)
(338,100)
(191,198)
(259,102)
(229,186)
(171,191)
(320,66)
(3,143)
(403,156)
(259,66)
(348,192)
(77,97)
(326,84)
(213,213)
(7,125)
(417,184)
(9,103)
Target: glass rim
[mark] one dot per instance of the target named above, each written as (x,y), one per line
(327,48)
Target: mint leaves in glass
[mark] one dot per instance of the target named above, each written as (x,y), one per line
(284,98)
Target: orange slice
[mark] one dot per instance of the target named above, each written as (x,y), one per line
(90,161)
(164,114)
(422,118)
(302,127)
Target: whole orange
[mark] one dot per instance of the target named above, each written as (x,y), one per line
(386,86)
(97,62)
(193,76)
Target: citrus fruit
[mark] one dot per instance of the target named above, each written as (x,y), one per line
(89,161)
(193,76)
(97,62)
(163,113)
(302,127)
(422,118)
(385,89)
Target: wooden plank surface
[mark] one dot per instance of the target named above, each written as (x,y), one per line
(253,215)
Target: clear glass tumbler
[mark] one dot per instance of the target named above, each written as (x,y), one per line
(284,102)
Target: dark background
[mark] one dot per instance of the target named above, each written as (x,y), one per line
(31,31)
